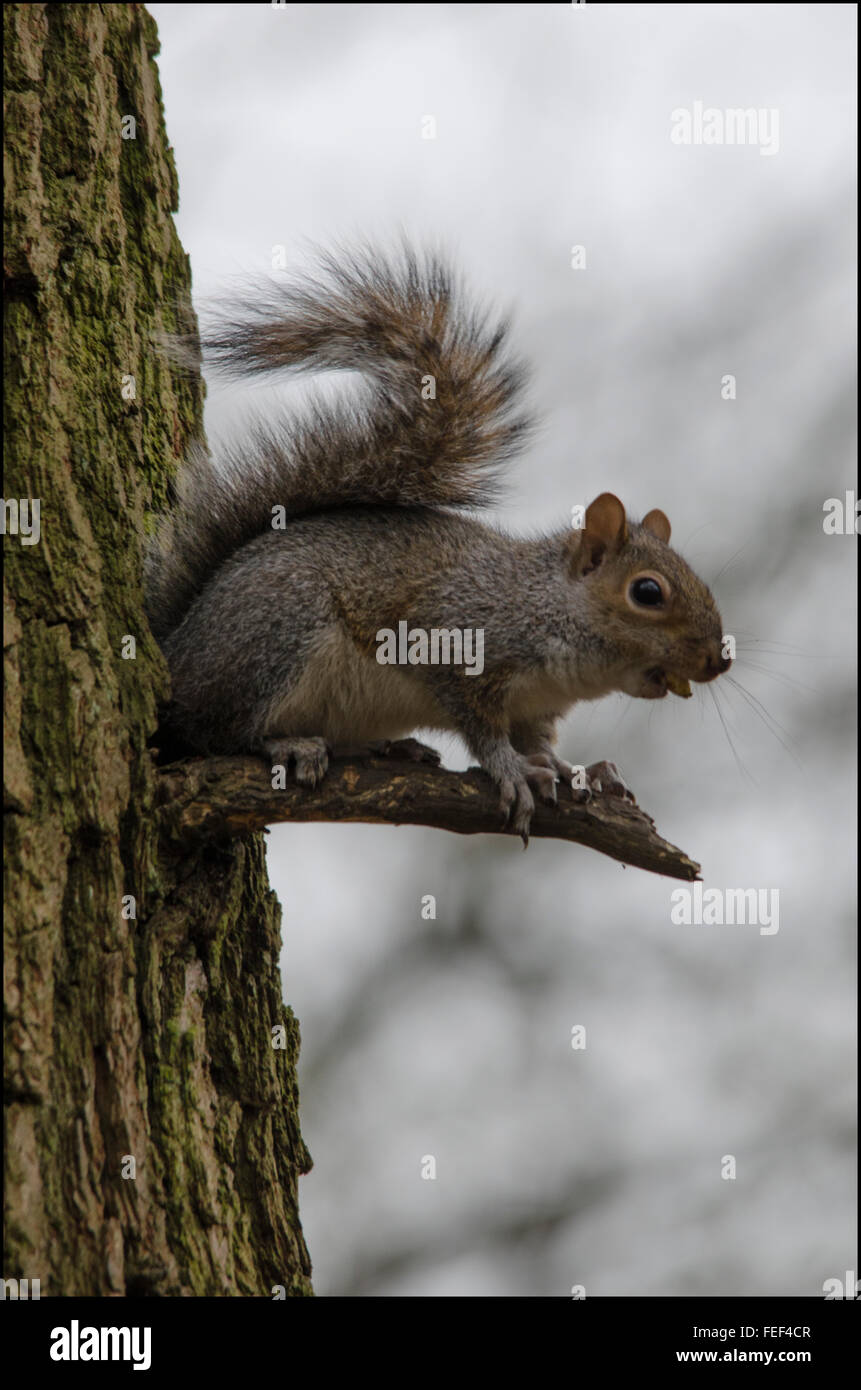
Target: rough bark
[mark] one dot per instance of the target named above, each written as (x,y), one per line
(217,798)
(146,1037)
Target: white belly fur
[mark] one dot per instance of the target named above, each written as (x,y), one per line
(347,697)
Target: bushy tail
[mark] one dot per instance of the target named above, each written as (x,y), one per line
(439,413)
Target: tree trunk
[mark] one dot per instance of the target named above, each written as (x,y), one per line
(152,1137)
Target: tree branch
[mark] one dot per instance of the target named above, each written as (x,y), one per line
(217,798)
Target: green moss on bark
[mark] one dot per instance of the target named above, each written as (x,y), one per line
(147,1038)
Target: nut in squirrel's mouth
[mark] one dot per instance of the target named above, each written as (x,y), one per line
(658,682)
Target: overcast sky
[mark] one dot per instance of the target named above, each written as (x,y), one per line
(553,129)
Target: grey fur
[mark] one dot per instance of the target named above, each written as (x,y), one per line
(271,635)
(396,320)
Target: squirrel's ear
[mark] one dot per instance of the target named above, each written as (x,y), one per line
(657,523)
(604,529)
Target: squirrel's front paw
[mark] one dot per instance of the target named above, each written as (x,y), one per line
(517,804)
(605,777)
(542,774)
(310,756)
(516,799)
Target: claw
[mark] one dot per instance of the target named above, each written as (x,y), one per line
(517,803)
(542,777)
(606,778)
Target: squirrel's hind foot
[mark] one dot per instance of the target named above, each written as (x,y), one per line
(409,748)
(310,757)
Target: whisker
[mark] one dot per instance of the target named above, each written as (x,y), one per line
(761,650)
(730,561)
(766,713)
(693,534)
(775,648)
(745,772)
(767,718)
(779,676)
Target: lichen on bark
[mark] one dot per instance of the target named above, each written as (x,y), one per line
(148,1037)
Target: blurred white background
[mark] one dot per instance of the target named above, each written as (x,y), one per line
(452,1038)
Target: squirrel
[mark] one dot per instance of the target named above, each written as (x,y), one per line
(272,582)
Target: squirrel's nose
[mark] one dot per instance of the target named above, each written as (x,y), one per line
(715,665)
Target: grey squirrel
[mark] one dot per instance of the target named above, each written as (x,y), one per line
(272,630)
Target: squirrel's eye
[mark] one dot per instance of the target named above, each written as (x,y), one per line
(647,593)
